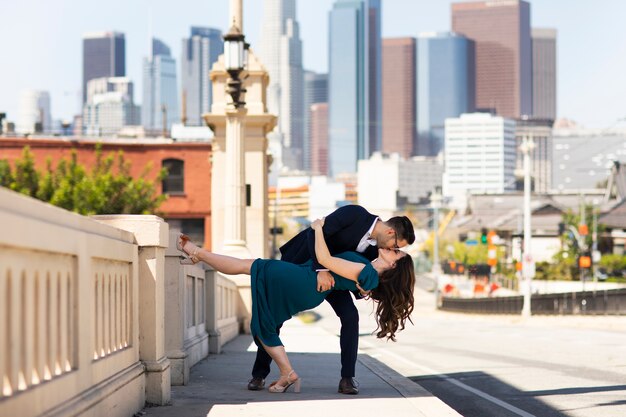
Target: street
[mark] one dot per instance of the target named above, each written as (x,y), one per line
(505,365)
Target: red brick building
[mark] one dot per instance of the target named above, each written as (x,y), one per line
(501,30)
(399,101)
(188,184)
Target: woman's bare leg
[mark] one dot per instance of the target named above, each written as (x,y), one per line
(279,355)
(222,263)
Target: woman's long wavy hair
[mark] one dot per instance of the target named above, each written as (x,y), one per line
(394,296)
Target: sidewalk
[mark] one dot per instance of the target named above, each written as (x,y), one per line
(217,385)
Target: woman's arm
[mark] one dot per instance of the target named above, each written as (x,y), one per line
(342,267)
(336,222)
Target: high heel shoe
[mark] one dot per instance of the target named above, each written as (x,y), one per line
(276,388)
(186,258)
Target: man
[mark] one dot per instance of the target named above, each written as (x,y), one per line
(349,228)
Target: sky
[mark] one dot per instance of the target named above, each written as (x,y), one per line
(42,43)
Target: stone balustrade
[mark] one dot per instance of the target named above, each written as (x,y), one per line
(97,316)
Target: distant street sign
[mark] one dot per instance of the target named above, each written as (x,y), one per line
(471,242)
(528,266)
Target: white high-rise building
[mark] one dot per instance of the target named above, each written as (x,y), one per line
(160,96)
(281,53)
(387,182)
(479,156)
(110,106)
(34,112)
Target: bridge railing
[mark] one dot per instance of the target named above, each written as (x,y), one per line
(97,316)
(599,302)
(69,312)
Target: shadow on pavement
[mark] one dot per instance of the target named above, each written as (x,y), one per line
(469,404)
(222,379)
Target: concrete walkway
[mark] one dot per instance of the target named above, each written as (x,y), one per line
(217,385)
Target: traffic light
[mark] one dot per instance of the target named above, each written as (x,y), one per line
(561,228)
(584,261)
(483,236)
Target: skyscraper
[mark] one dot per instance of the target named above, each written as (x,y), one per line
(479,156)
(501,30)
(110,106)
(398,97)
(159,88)
(354,83)
(281,52)
(104,55)
(199,52)
(319,138)
(544,73)
(315,91)
(445,86)
(34,112)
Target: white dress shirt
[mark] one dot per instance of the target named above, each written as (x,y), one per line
(367,240)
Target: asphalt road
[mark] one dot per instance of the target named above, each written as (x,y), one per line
(505,365)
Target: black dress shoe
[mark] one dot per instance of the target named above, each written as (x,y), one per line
(256,384)
(348,386)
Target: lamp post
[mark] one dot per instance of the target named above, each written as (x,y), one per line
(435,203)
(235,55)
(528,264)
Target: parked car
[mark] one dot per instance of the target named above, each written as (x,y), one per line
(601,275)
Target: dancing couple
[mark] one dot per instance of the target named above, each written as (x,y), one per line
(351,250)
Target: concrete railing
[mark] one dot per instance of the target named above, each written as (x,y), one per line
(223,323)
(97,316)
(200,311)
(69,313)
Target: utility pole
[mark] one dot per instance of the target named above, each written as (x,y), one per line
(582,245)
(528,263)
(595,255)
(184,108)
(435,202)
(164,117)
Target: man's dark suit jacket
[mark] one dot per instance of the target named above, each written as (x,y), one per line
(343,230)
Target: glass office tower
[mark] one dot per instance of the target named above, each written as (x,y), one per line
(199,52)
(445,86)
(104,55)
(354,83)
(160,96)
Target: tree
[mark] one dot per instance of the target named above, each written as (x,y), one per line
(107,189)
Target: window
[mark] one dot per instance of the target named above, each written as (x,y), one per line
(194,228)
(174,182)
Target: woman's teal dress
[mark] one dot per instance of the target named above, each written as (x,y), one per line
(281,289)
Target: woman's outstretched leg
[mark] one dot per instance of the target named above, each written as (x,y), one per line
(287,375)
(222,263)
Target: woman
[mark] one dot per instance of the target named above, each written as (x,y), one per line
(281,289)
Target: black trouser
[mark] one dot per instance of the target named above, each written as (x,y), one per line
(342,303)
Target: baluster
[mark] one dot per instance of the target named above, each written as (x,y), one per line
(28,327)
(63,300)
(53,324)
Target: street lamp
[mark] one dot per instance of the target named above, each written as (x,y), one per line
(528,264)
(235,60)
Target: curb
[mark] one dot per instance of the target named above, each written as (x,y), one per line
(425,403)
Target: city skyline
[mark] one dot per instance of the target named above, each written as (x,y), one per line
(591,94)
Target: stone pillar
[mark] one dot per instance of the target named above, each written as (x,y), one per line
(235,196)
(175,305)
(151,234)
(239,161)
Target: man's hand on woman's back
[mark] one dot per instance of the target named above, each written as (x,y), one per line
(325,281)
